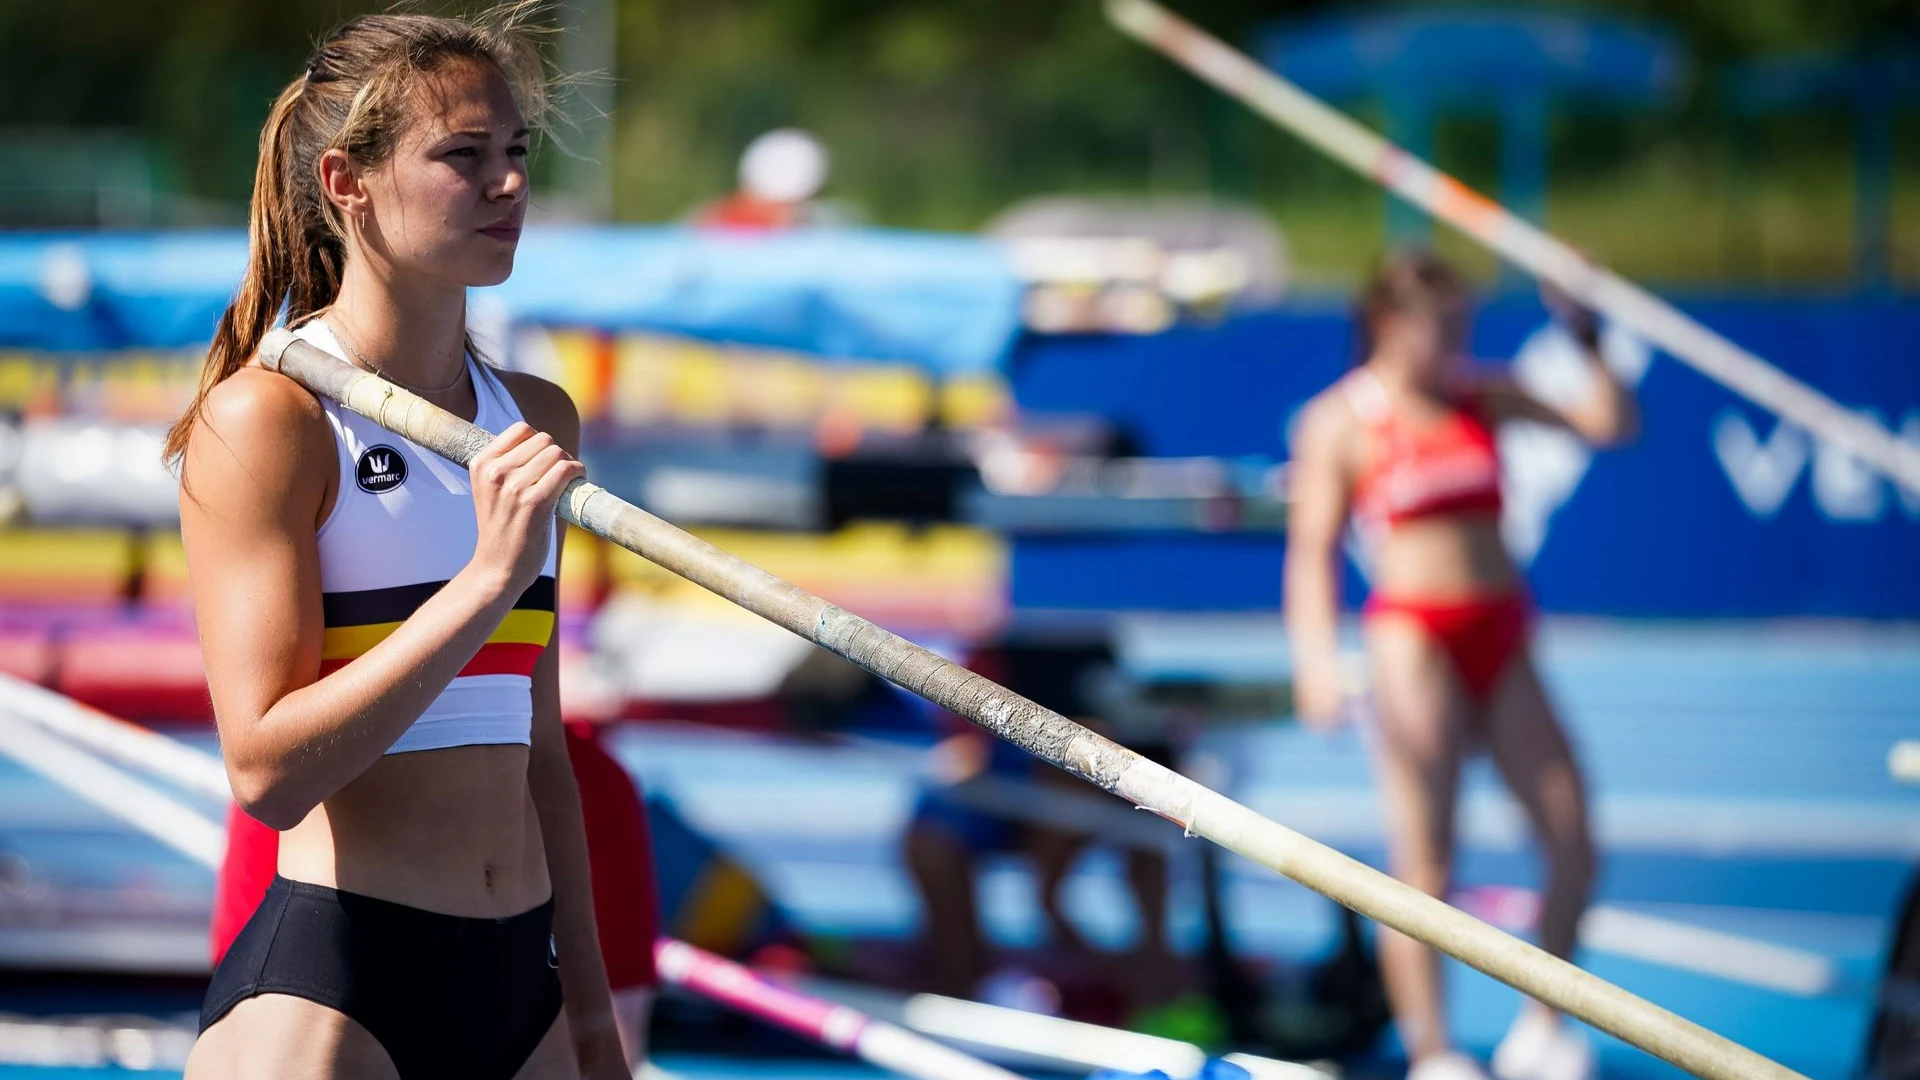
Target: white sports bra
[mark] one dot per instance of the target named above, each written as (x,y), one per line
(401,526)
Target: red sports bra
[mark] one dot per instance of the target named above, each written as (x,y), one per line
(1450,467)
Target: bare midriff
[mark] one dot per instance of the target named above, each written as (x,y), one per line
(452,831)
(1444,557)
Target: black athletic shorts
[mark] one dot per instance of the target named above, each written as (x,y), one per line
(447,996)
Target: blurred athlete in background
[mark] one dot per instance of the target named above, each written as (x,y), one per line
(1403,446)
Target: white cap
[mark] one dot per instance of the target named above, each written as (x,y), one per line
(65,279)
(784,165)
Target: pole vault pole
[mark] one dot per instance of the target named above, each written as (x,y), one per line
(1051,737)
(1513,238)
(841,1025)
(1610,930)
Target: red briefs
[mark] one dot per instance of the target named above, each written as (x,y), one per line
(1481,634)
(626,902)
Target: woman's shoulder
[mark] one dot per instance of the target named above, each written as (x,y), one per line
(546,405)
(254,400)
(1327,421)
(259,427)
(1342,403)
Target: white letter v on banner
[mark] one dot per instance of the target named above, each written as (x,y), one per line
(1762,473)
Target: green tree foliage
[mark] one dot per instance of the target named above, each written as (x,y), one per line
(938,112)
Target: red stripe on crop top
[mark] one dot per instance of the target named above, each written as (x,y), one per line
(1448,467)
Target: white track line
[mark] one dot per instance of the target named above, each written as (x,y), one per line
(165,819)
(124,741)
(1707,952)
(95,1043)
(1670,943)
(1048,1043)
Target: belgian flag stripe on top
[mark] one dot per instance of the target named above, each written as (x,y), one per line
(357,621)
(399,602)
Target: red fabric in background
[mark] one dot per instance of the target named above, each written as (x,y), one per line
(626,897)
(253,855)
(140,673)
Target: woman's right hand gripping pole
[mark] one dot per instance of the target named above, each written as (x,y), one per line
(517,481)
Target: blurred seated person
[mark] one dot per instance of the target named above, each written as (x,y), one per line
(951,831)
(780,173)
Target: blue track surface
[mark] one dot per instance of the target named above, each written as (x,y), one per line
(1739,772)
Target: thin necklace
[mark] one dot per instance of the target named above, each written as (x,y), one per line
(375,368)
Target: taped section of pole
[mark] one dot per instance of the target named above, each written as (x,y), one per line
(1054,738)
(1513,238)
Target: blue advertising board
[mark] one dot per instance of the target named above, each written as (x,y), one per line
(1717,509)
(948,303)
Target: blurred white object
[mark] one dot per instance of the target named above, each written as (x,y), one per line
(86,471)
(718,497)
(1196,277)
(1134,310)
(1903,761)
(11,504)
(1084,260)
(661,652)
(1541,1046)
(64,278)
(1542,466)
(1197,251)
(1018,988)
(1447,1066)
(784,165)
(490,324)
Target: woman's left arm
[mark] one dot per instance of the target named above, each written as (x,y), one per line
(1607,416)
(556,798)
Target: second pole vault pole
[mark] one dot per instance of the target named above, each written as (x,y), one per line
(1051,737)
(1513,238)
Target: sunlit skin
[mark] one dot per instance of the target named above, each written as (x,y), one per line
(1427,723)
(484,831)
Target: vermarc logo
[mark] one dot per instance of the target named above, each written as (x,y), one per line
(381,469)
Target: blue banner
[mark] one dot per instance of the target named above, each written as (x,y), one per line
(948,303)
(1716,510)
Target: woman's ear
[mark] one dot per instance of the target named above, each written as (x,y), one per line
(342,183)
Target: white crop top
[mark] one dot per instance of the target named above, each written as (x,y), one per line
(401,526)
